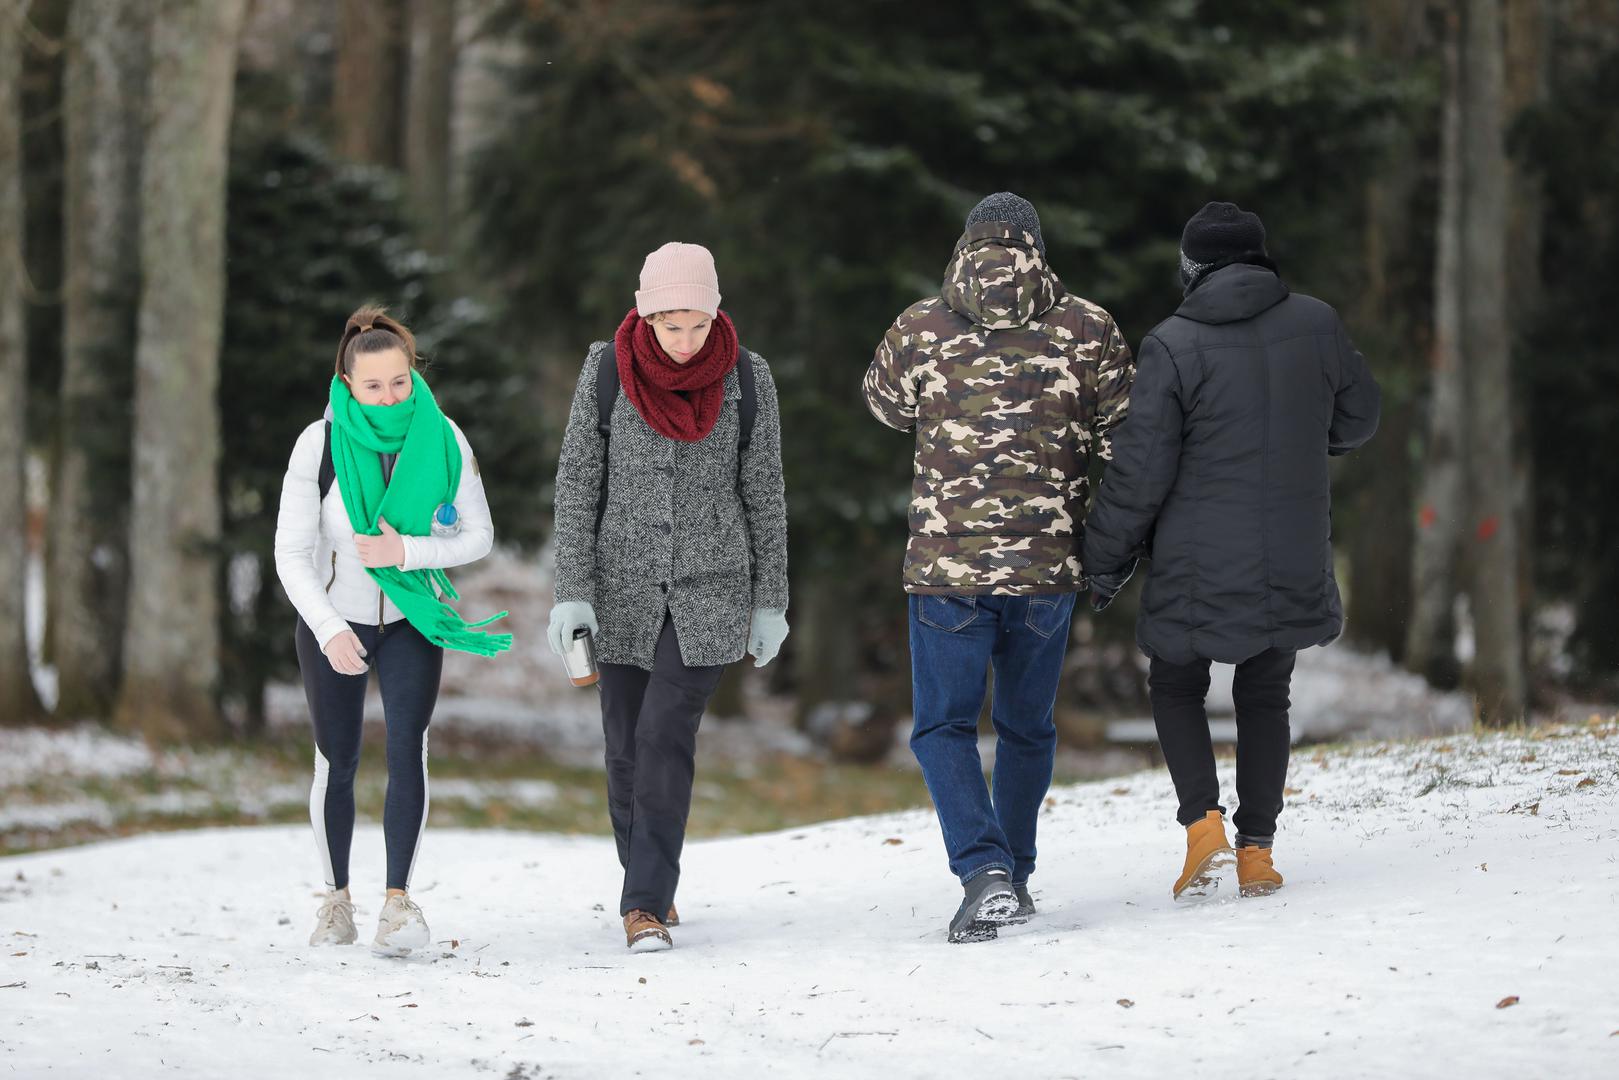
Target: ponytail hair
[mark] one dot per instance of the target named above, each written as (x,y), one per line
(372,329)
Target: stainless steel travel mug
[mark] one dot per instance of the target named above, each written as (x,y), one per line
(580,658)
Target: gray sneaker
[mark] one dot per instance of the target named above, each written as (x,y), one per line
(400,928)
(1025,904)
(989,902)
(334,922)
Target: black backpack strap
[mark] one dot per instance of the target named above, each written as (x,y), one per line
(749,406)
(328,471)
(606,390)
(606,398)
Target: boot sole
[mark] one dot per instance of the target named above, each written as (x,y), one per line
(1258,888)
(998,909)
(1204,884)
(973,933)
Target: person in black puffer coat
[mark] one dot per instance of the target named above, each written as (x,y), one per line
(1220,479)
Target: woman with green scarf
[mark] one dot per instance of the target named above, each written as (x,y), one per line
(379,499)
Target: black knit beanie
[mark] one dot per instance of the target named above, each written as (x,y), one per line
(1012,209)
(1219,233)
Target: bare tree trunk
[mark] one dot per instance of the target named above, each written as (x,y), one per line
(18,702)
(1430,635)
(104,87)
(171,647)
(1386,327)
(428,94)
(366,89)
(1498,676)
(1527,85)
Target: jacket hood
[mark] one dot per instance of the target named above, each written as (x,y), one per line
(997,277)
(1233,293)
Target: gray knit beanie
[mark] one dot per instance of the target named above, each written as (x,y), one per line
(1012,209)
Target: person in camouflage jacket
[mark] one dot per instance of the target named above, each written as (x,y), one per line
(1011,384)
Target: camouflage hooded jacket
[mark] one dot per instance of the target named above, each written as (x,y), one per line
(1009,381)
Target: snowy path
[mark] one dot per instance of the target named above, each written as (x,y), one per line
(1426,883)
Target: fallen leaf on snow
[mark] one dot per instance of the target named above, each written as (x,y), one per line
(1292,791)
(1120,791)
(1568,772)
(525,1022)
(1125,1003)
(894,840)
(1484,866)
(1589,781)
(696,1042)
(1507,1002)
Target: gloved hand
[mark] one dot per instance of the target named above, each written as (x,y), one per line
(769,630)
(567,617)
(1104,587)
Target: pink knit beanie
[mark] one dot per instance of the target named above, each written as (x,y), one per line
(678,277)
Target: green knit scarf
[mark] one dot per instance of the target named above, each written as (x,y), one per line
(426,474)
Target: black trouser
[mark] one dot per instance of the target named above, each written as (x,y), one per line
(1260,689)
(650,722)
(408,667)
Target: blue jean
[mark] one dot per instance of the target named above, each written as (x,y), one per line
(954,641)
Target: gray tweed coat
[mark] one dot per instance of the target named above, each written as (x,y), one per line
(680,533)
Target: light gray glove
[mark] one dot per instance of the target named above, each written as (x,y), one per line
(567,617)
(769,630)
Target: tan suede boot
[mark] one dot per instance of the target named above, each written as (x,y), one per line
(1207,853)
(1256,876)
(674,917)
(644,933)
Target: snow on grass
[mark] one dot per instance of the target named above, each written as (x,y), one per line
(80,753)
(1449,911)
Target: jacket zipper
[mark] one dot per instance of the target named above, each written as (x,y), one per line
(333,578)
(379,609)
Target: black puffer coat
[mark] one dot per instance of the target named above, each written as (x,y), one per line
(1220,470)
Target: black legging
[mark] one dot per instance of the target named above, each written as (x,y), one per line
(408,667)
(1260,687)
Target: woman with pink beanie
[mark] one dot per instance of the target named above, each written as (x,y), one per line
(671,542)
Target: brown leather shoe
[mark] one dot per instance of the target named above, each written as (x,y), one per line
(674,917)
(1207,853)
(1256,876)
(644,933)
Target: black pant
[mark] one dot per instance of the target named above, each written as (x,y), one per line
(650,722)
(408,667)
(1261,692)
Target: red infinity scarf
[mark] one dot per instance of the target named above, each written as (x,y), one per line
(678,401)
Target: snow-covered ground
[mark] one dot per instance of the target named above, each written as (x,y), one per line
(1450,911)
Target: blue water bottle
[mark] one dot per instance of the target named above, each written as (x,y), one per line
(446,522)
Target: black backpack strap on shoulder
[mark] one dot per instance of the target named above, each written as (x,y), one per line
(606,390)
(749,406)
(606,398)
(328,471)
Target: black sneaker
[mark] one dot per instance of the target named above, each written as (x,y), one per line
(989,902)
(1025,904)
